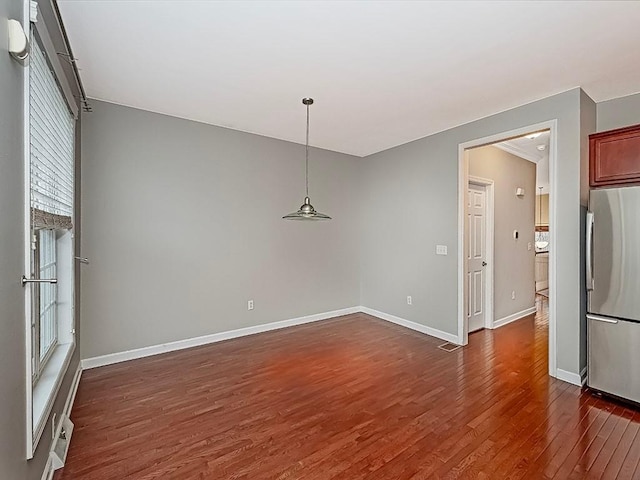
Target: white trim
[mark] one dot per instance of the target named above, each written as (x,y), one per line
(26,160)
(513,317)
(553,229)
(463,175)
(569,377)
(463,182)
(111,358)
(418,327)
(489,185)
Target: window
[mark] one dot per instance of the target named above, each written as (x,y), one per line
(51,137)
(45,336)
(49,247)
(48,336)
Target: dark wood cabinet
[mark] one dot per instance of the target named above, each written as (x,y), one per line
(614,157)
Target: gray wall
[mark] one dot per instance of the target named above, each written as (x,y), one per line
(619,112)
(12,353)
(182,224)
(411,196)
(513,263)
(13,465)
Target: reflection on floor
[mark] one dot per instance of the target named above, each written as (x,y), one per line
(542,310)
(350,398)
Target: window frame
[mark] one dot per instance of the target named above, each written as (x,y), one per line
(41,394)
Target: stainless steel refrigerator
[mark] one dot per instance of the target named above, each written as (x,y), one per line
(613,284)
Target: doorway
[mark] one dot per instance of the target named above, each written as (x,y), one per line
(468,290)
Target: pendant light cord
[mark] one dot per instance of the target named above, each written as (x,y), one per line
(307,155)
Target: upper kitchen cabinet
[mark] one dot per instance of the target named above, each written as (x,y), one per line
(614,157)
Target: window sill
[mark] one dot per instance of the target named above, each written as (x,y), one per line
(45,391)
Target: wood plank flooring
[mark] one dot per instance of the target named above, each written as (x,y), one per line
(349,398)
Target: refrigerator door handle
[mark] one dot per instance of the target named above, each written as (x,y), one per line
(598,318)
(589,252)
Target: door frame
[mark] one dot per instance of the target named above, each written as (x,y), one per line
(463,180)
(489,188)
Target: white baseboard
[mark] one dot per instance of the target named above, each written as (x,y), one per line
(570,377)
(411,325)
(513,317)
(111,358)
(118,357)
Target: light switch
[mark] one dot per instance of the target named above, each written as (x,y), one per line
(441,249)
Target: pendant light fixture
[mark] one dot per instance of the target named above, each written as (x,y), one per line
(306,211)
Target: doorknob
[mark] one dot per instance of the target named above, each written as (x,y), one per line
(484,264)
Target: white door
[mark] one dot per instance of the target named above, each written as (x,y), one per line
(476,256)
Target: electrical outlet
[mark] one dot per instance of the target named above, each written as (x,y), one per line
(529,246)
(513,295)
(250,305)
(409,300)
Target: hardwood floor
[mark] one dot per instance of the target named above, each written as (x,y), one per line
(349,398)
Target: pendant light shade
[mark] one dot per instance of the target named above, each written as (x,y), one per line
(306,211)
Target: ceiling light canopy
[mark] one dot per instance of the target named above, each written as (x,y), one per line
(533,135)
(306,211)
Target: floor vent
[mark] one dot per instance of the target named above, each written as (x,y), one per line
(449,347)
(60,445)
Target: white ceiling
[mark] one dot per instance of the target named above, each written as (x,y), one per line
(527,148)
(382,73)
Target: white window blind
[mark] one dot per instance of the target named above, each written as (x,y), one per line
(52,146)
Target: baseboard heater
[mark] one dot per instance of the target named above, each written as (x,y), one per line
(61,443)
